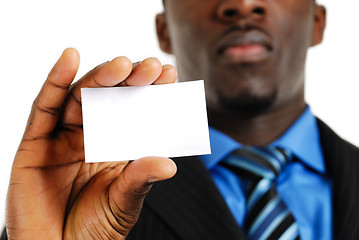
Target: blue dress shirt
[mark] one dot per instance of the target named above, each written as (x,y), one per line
(304,179)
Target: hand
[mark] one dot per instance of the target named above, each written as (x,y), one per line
(53,193)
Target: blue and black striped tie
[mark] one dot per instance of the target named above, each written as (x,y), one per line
(267,215)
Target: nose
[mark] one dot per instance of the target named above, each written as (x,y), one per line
(232,10)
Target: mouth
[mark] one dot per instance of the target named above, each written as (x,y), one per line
(244,47)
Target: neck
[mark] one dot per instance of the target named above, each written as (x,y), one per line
(260,129)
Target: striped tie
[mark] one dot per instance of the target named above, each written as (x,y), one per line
(267,216)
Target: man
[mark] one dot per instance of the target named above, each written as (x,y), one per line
(251,54)
(252,57)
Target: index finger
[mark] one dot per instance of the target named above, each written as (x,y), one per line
(109,74)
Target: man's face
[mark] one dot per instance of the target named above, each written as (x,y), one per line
(251,53)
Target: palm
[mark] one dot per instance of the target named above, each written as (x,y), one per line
(51,180)
(53,193)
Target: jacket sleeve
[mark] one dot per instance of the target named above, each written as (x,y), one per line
(3,235)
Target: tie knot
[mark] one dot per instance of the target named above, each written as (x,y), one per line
(264,162)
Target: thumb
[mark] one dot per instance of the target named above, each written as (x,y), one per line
(127,192)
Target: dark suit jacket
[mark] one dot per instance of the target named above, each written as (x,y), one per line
(190,207)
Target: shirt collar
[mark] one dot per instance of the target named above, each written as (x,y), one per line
(305,144)
(303,139)
(221,146)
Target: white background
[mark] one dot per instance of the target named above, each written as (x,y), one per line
(34,33)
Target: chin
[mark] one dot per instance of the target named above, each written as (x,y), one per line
(247,104)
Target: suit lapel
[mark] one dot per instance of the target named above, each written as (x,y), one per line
(342,163)
(191,204)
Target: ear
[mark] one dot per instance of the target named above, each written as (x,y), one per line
(320,19)
(162,33)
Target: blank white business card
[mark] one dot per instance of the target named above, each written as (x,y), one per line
(127,123)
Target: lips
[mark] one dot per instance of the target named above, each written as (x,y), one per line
(238,47)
